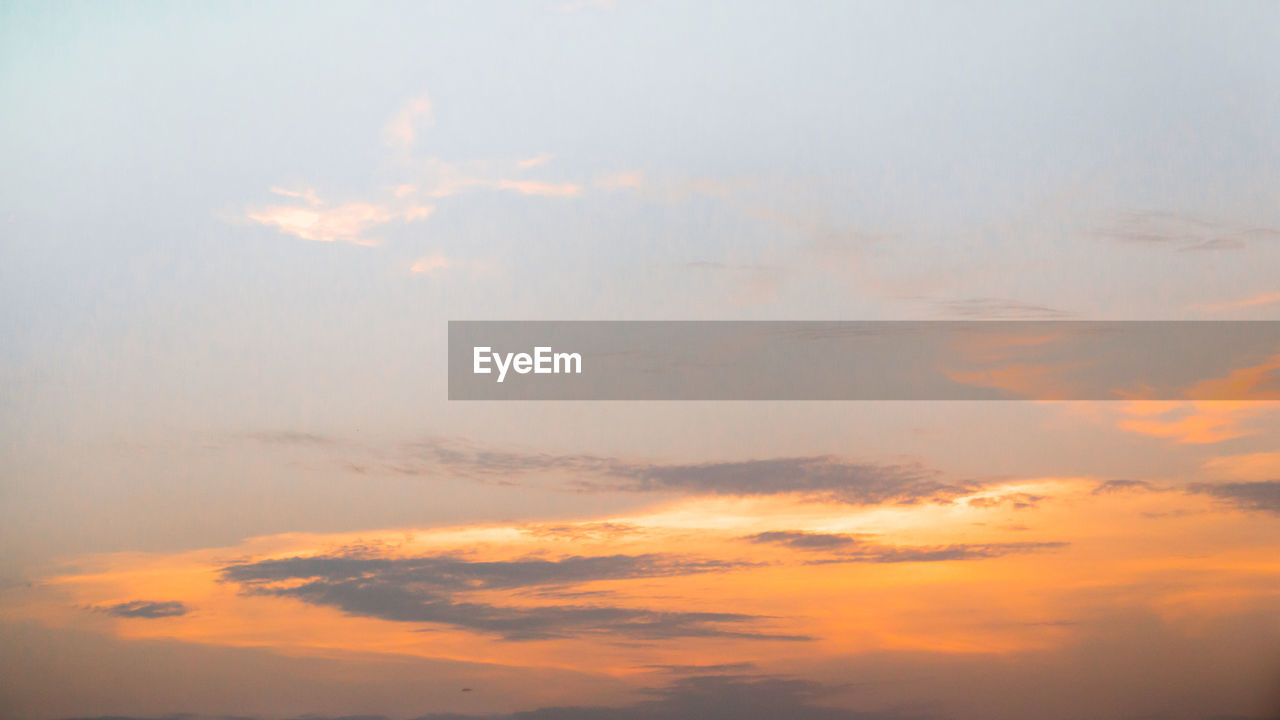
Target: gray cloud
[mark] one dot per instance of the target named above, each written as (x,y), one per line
(188,716)
(426,589)
(146,609)
(1016,501)
(1181,232)
(706,697)
(287,437)
(717,669)
(940,553)
(855,548)
(989,308)
(1263,496)
(449,573)
(581,531)
(827,477)
(1115,486)
(805,540)
(712,697)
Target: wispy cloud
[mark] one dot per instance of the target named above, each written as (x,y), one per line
(347,222)
(435,590)
(1259,300)
(989,308)
(533,187)
(145,609)
(1108,487)
(820,477)
(1195,423)
(429,264)
(1180,231)
(1262,496)
(429,179)
(573,6)
(840,548)
(1247,466)
(707,695)
(290,437)
(535,161)
(805,540)
(754,283)
(714,697)
(632,180)
(409,122)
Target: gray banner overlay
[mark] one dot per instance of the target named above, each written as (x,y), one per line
(886,360)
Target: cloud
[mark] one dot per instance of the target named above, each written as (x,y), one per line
(448,573)
(1249,466)
(408,123)
(707,696)
(582,531)
(188,716)
(536,160)
(307,194)
(827,477)
(1268,298)
(754,283)
(1016,501)
(533,187)
(313,219)
(429,264)
(1116,486)
(712,697)
(145,609)
(1263,496)
(573,6)
(1181,232)
(822,477)
(940,553)
(427,590)
(633,180)
(856,548)
(1255,382)
(289,437)
(1196,423)
(342,223)
(443,179)
(716,669)
(805,540)
(989,308)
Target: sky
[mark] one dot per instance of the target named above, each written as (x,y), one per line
(232,236)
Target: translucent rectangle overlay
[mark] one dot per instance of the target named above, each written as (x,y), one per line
(865,360)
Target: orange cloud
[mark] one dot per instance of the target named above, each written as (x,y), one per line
(1250,466)
(1191,422)
(697,581)
(1250,393)
(1258,382)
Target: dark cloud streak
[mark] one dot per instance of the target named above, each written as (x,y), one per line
(1261,496)
(427,590)
(855,548)
(146,609)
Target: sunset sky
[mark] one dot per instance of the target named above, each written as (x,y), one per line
(232,236)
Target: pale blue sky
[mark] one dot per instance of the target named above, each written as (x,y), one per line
(730,160)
